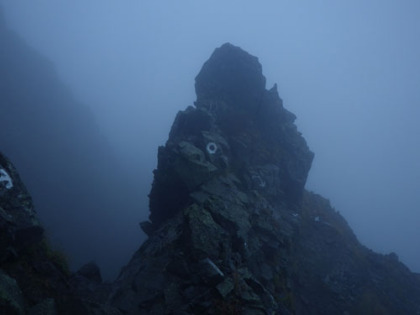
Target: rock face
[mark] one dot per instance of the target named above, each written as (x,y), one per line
(232,230)
(34,279)
(26,263)
(237,130)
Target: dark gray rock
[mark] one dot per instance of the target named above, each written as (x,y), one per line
(221,166)
(91,272)
(34,279)
(45,307)
(230,76)
(232,229)
(19,226)
(237,128)
(11,298)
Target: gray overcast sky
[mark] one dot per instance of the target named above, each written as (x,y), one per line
(349,70)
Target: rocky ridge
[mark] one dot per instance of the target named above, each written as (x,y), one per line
(34,278)
(232,229)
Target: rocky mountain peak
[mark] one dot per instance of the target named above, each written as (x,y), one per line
(233,76)
(237,127)
(232,230)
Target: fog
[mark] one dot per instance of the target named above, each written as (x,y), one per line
(349,70)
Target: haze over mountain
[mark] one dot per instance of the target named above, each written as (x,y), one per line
(72,172)
(231,229)
(349,71)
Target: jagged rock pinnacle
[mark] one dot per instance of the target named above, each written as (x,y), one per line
(253,137)
(233,76)
(232,229)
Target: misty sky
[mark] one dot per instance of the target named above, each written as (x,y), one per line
(349,70)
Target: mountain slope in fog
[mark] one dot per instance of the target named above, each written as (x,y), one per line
(68,166)
(35,279)
(232,229)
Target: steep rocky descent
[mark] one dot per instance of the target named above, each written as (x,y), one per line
(334,274)
(34,279)
(232,229)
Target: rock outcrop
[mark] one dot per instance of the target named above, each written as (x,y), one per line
(35,279)
(232,229)
(237,129)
